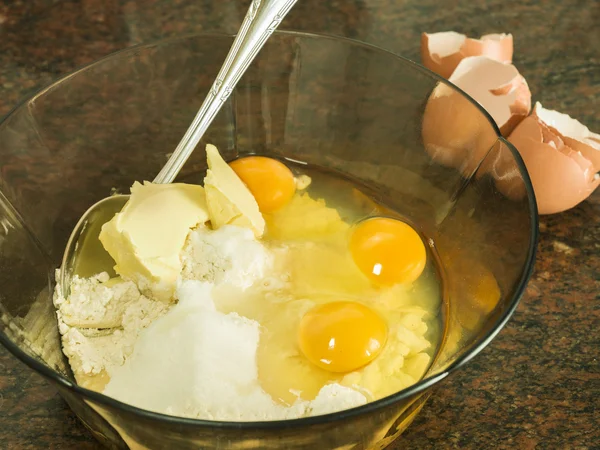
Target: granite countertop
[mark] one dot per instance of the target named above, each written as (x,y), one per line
(537,384)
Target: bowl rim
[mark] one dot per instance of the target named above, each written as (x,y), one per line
(368,408)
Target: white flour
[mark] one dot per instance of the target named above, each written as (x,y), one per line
(229,255)
(93,304)
(188,359)
(99,324)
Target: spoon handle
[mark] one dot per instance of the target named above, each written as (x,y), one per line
(262,18)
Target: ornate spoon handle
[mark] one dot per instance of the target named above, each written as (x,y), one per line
(262,18)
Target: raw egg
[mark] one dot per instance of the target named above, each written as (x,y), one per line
(387,251)
(341,336)
(271,182)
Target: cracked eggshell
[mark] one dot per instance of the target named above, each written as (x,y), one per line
(501,165)
(498,87)
(561,176)
(573,133)
(498,47)
(442,52)
(454,131)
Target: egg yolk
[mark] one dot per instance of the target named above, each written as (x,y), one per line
(341,336)
(387,251)
(270,182)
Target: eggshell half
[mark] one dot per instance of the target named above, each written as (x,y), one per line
(454,131)
(574,134)
(561,176)
(501,165)
(495,46)
(498,87)
(442,52)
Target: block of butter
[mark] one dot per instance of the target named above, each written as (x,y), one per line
(228,199)
(146,237)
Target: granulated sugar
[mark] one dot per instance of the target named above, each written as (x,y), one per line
(198,362)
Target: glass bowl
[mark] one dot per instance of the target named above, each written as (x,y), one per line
(419,144)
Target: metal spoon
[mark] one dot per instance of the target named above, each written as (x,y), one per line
(84,254)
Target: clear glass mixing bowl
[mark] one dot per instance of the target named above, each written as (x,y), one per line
(421,145)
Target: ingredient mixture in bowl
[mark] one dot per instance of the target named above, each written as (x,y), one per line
(271,292)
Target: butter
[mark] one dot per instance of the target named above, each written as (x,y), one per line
(146,237)
(228,199)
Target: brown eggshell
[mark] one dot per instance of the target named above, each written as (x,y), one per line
(454,131)
(442,52)
(495,46)
(498,87)
(574,134)
(589,149)
(561,177)
(500,164)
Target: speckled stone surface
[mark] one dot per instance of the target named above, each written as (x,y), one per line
(537,384)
